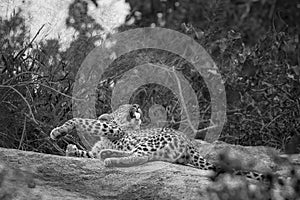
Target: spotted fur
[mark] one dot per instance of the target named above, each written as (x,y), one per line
(111,126)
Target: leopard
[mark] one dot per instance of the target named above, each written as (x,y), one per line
(124,144)
(107,128)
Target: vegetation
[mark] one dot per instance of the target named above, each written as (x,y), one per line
(255,45)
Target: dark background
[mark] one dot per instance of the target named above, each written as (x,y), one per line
(255,44)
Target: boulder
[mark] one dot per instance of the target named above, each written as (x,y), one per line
(30,175)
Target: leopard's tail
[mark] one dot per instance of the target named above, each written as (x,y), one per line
(198,161)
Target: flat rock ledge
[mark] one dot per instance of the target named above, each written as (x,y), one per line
(30,175)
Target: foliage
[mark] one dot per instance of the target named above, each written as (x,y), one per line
(36,81)
(256,47)
(262,88)
(274,187)
(254,43)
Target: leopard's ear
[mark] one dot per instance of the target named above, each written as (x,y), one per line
(105,117)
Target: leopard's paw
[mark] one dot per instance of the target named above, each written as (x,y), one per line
(54,134)
(104,154)
(72,150)
(107,162)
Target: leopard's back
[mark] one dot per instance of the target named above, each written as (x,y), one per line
(131,139)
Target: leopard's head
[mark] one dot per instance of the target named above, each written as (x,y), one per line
(135,115)
(127,116)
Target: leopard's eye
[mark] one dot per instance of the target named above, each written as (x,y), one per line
(136,106)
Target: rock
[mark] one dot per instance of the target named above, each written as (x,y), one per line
(59,177)
(30,175)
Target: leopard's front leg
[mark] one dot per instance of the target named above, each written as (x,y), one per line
(73,151)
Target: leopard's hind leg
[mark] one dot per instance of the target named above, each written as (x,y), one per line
(141,155)
(127,161)
(112,153)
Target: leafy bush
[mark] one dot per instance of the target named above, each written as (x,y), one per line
(257,53)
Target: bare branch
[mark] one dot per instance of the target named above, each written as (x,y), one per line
(30,43)
(25,100)
(73,98)
(183,100)
(18,75)
(23,133)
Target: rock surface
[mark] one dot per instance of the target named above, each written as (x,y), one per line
(30,175)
